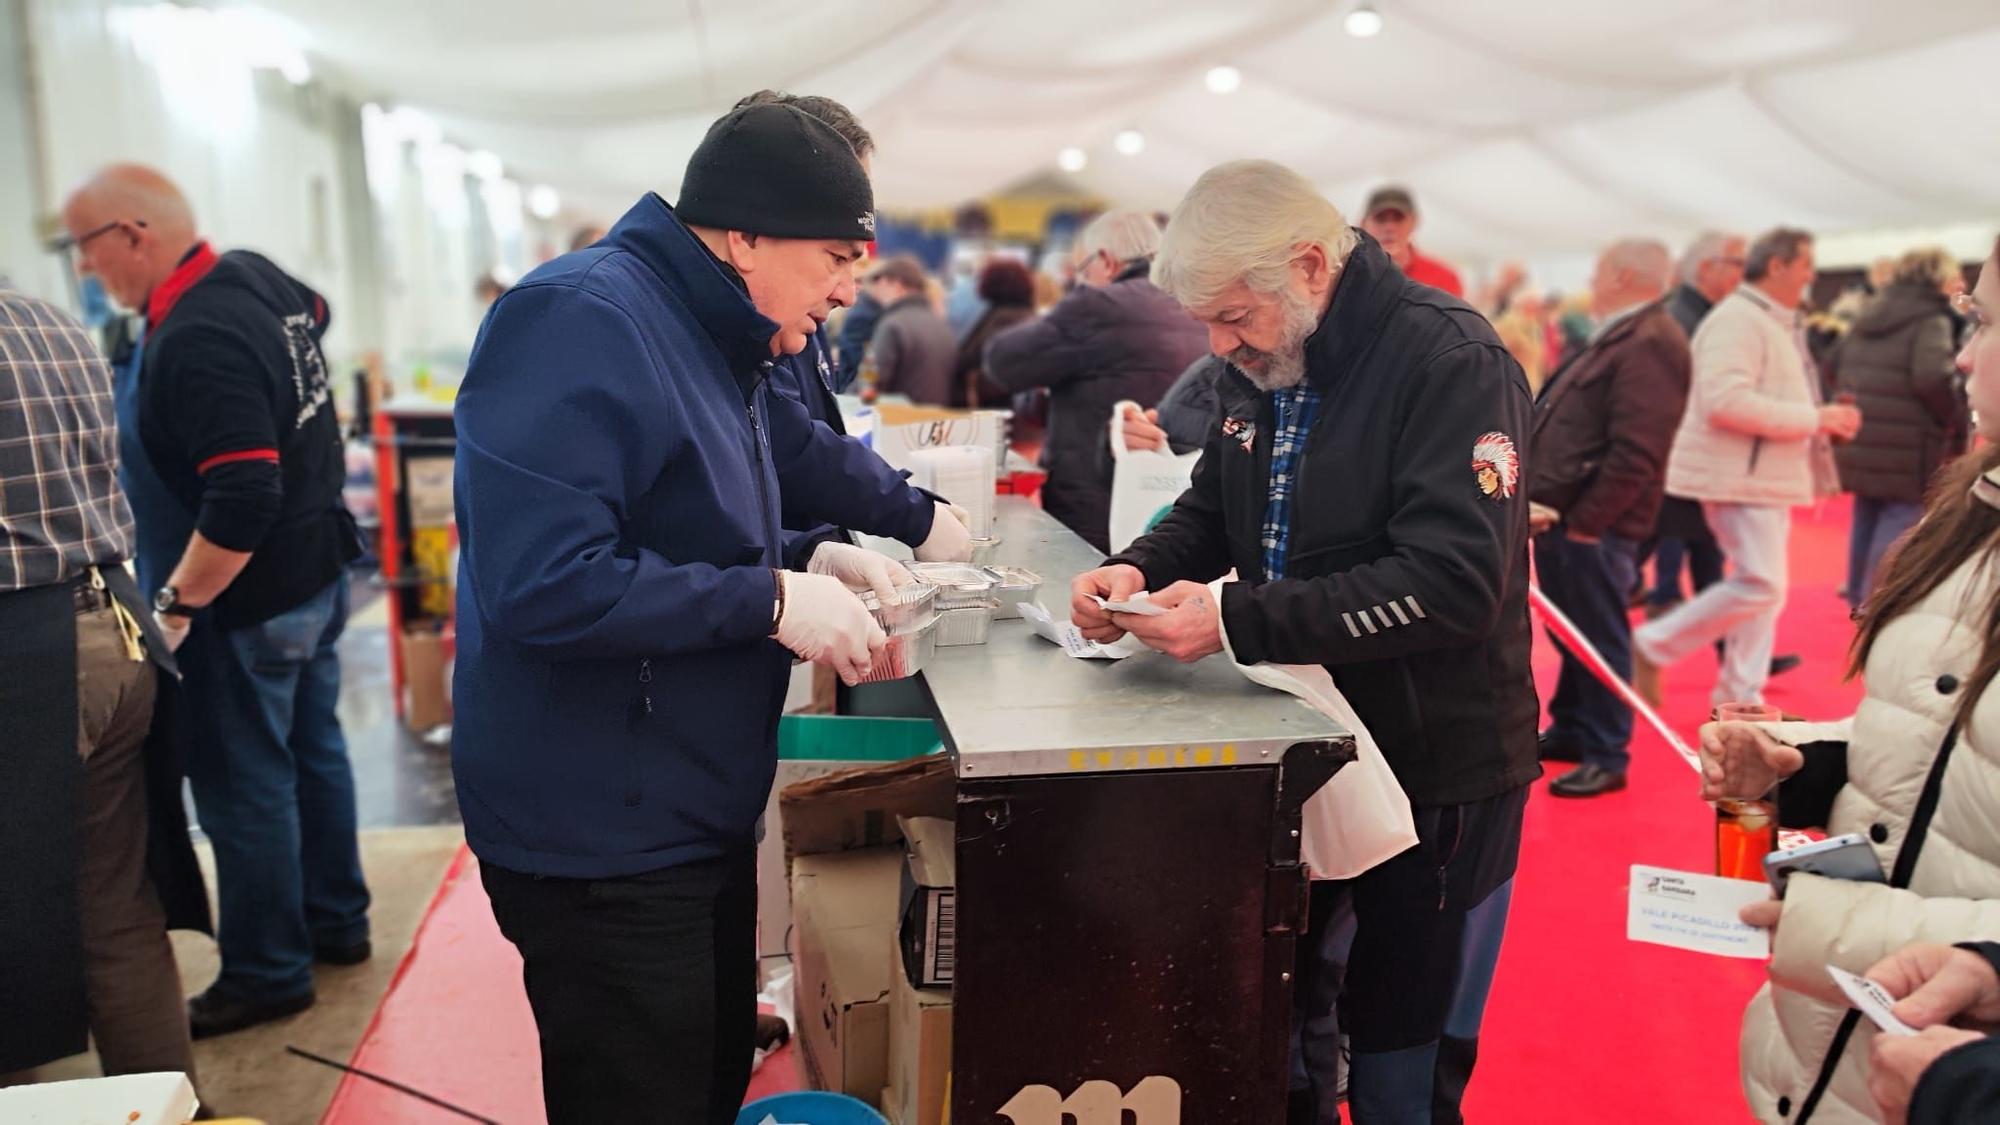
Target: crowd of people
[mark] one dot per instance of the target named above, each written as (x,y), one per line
(651,541)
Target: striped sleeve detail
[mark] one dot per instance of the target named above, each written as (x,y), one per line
(221,459)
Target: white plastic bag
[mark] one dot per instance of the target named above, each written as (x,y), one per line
(1144,483)
(1362,816)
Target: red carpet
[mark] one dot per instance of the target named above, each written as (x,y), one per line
(1583,1026)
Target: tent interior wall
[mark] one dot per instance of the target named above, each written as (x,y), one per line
(1531,132)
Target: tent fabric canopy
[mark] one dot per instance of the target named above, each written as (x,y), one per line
(1525,128)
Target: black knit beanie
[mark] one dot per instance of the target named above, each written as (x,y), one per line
(778,171)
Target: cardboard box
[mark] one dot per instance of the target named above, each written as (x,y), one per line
(899,430)
(774,898)
(800,760)
(845,936)
(857,808)
(425,704)
(919,1053)
(427,487)
(927,929)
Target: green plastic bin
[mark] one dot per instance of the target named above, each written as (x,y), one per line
(844,738)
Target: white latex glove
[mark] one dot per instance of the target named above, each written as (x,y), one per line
(825,623)
(950,539)
(174,628)
(860,569)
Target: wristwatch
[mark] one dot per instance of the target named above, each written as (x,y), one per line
(167,603)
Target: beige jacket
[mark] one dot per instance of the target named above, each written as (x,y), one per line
(1749,435)
(1914,678)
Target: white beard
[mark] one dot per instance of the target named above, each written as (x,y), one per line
(1284,368)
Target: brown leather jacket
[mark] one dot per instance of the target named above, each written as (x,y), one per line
(1605,422)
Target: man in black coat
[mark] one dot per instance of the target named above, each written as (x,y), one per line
(1117,337)
(1363,481)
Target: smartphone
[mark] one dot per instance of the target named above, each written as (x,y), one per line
(1841,857)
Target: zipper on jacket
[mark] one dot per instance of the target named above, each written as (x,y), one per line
(757,440)
(635,717)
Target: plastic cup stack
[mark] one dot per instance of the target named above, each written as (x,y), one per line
(962,474)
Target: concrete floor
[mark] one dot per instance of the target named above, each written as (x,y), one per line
(409,822)
(399,781)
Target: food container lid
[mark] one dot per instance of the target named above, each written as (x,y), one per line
(954,579)
(1013,577)
(915,593)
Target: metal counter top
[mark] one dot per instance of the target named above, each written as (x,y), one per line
(1019,705)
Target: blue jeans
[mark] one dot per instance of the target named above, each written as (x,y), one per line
(1877,525)
(1590,583)
(275,792)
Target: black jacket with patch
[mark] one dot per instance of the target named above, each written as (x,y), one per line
(236,414)
(1407,574)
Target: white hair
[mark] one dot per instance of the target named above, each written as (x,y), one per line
(1246,221)
(1128,236)
(1706,247)
(1648,261)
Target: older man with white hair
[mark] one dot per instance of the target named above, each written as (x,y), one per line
(1362,480)
(1116,338)
(1710,269)
(1603,426)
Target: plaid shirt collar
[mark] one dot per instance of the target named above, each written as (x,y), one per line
(1294,411)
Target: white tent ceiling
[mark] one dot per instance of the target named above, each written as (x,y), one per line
(1526,127)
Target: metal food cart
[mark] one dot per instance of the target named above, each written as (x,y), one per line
(1129,887)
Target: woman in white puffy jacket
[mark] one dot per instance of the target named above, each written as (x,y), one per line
(1920,780)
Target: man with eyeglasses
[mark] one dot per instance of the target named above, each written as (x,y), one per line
(244,544)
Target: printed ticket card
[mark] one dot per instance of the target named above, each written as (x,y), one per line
(1872,999)
(1695,912)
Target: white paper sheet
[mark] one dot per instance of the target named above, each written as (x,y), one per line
(1871,999)
(1071,638)
(1696,912)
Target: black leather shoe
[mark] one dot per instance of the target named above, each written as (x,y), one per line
(219,1012)
(1783,664)
(1549,750)
(772,1032)
(343,954)
(1587,781)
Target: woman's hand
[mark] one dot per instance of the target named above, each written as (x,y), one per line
(1739,760)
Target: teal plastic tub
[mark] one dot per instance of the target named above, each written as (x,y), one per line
(843,738)
(810,1107)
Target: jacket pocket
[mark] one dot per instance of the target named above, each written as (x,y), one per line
(1333,558)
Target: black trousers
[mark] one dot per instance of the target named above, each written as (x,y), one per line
(1409,975)
(644,988)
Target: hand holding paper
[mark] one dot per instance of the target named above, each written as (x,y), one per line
(1189,629)
(1112,583)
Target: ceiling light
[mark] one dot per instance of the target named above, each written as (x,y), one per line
(1364,22)
(1224,79)
(1072,159)
(484,165)
(1131,142)
(543,202)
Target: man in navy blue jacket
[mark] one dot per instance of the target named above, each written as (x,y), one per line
(628,615)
